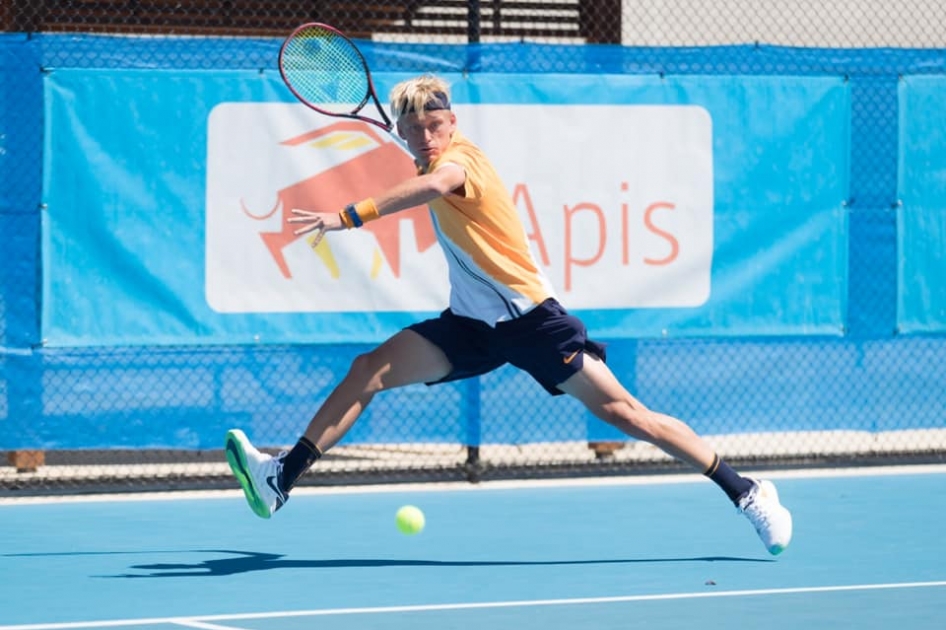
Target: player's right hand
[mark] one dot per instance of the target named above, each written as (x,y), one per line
(312,221)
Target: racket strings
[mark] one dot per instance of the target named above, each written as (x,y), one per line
(324,68)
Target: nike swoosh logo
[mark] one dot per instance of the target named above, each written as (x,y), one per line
(271,482)
(569,358)
(280,495)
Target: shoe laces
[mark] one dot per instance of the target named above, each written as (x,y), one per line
(278,462)
(753,507)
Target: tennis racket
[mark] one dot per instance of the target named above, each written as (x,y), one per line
(327,72)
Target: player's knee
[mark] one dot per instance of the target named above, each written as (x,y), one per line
(366,371)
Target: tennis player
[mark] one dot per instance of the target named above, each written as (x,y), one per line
(502,310)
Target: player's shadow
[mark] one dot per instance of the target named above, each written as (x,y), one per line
(250,561)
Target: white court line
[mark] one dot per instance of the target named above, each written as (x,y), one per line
(465,486)
(382,610)
(190,623)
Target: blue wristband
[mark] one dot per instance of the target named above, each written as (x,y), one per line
(353,215)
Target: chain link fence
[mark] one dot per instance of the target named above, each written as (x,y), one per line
(867,395)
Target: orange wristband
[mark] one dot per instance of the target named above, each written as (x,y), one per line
(357,214)
(367,210)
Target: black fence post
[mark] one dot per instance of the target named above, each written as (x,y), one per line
(473,466)
(473,22)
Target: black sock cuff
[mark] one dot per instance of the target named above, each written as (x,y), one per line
(734,484)
(315,450)
(297,461)
(709,472)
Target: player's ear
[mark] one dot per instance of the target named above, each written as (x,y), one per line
(399,132)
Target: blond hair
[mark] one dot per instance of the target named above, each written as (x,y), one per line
(420,94)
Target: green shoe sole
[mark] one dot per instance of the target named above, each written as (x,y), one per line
(236,457)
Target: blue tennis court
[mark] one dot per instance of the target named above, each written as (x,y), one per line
(668,552)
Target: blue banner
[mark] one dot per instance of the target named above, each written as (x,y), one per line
(21,133)
(716,206)
(921,214)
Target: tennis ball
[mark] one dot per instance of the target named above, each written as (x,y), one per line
(409,519)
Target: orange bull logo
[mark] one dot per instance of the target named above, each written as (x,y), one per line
(366,174)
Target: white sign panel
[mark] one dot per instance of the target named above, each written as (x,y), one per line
(618,202)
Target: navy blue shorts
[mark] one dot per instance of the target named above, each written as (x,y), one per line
(546,342)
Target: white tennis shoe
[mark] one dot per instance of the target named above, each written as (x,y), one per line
(258,473)
(772,521)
